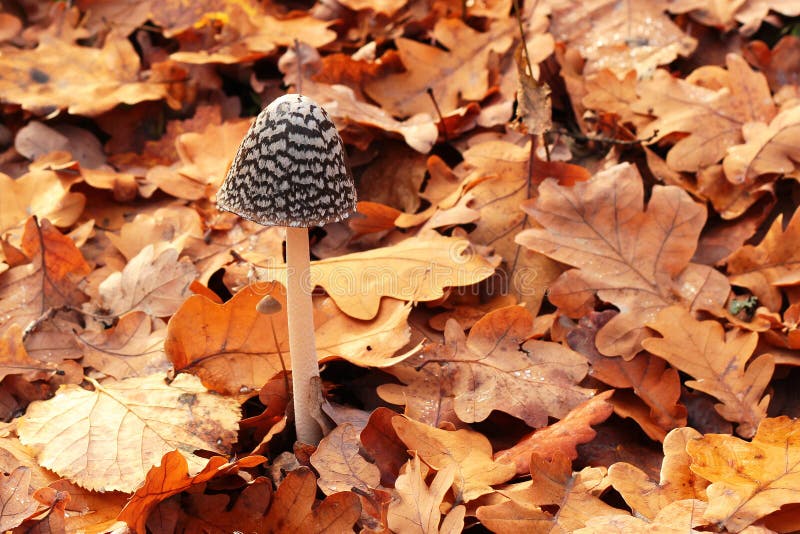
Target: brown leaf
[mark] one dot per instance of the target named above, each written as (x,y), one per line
(417,509)
(637,260)
(647,498)
(533,115)
(553,484)
(781,65)
(245,513)
(716,360)
(339,464)
(468,451)
(16,503)
(157,285)
(117,432)
(749,479)
(561,437)
(383,446)
(293,511)
(675,518)
(238,349)
(14,359)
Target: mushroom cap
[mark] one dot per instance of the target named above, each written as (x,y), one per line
(290,169)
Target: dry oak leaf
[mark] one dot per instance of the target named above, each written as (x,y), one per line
(132,347)
(763,268)
(716,360)
(339,464)
(646,497)
(156,285)
(635,259)
(173,226)
(293,508)
(93,81)
(469,452)
(620,35)
(656,405)
(461,73)
(754,12)
(108,438)
(711,106)
(678,517)
(40,193)
(381,443)
(16,503)
(417,509)
(749,479)
(561,437)
(767,149)
(232,347)
(781,65)
(14,359)
(552,484)
(170,477)
(417,269)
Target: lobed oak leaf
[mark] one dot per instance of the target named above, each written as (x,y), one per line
(754,12)
(717,14)
(132,347)
(461,73)
(40,81)
(678,517)
(339,464)
(781,65)
(293,510)
(763,268)
(220,513)
(562,437)
(467,451)
(749,480)
(552,484)
(646,497)
(417,269)
(241,349)
(767,149)
(173,226)
(16,502)
(712,117)
(635,259)
(716,360)
(417,509)
(108,438)
(157,285)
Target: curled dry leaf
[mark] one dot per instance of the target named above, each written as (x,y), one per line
(380,441)
(469,452)
(339,464)
(293,507)
(240,349)
(417,509)
(157,285)
(646,497)
(749,479)
(108,438)
(716,360)
(416,269)
(635,259)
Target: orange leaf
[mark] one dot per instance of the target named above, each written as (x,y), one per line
(637,260)
(293,511)
(16,503)
(749,479)
(14,359)
(238,347)
(339,464)
(716,360)
(41,193)
(383,446)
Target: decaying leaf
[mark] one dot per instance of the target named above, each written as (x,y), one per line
(635,259)
(339,464)
(108,438)
(716,360)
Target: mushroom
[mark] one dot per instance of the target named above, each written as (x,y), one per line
(290,170)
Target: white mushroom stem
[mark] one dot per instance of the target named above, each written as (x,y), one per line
(302,348)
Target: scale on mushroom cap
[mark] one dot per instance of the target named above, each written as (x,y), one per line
(291,170)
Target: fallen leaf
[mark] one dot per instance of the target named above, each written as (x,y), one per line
(417,269)
(16,503)
(118,431)
(575,497)
(417,509)
(748,479)
(561,437)
(716,360)
(754,12)
(635,259)
(242,349)
(646,497)
(781,65)
(293,509)
(468,451)
(204,512)
(157,285)
(339,464)
(14,359)
(678,517)
(380,441)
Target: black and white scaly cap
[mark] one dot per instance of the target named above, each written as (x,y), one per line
(290,169)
